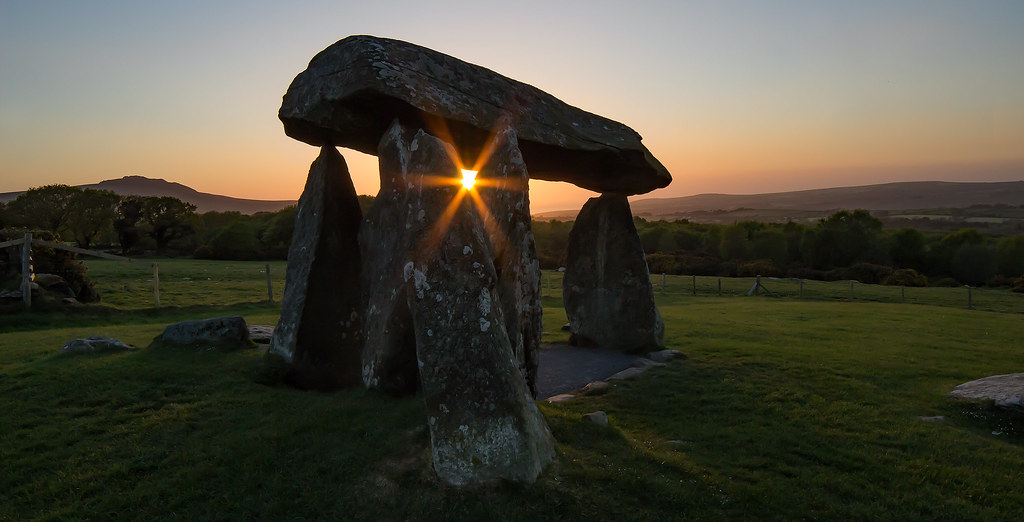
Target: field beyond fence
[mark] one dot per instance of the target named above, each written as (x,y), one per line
(189,282)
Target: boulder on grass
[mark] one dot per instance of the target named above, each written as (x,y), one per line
(220,332)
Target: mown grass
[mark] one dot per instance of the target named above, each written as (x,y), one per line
(677,289)
(785,409)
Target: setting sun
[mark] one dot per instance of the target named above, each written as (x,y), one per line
(468,178)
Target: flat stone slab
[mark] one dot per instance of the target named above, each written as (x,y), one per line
(565,368)
(352,91)
(1006,390)
(95,344)
(261,333)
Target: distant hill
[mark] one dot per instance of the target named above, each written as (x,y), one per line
(143,186)
(888,197)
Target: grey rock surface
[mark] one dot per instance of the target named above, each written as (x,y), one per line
(664,356)
(352,90)
(607,288)
(483,423)
(94,344)
(404,219)
(504,192)
(597,417)
(320,332)
(1007,391)
(222,332)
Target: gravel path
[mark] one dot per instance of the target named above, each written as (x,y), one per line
(565,368)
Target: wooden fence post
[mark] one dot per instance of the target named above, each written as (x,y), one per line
(851,289)
(663,282)
(270,289)
(694,285)
(26,271)
(801,289)
(156,284)
(719,287)
(903,294)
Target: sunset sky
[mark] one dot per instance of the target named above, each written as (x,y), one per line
(733,97)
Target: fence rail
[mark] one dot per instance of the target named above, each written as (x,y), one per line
(677,287)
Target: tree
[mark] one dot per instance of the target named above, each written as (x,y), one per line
(844,238)
(169,218)
(907,249)
(1010,256)
(126,223)
(735,245)
(771,244)
(94,212)
(48,207)
(973,264)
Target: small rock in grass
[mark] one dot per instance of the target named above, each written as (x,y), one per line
(598,417)
(664,356)
(646,363)
(936,418)
(677,444)
(628,373)
(594,386)
(94,344)
(560,398)
(566,327)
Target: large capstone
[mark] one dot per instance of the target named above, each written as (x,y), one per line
(319,335)
(607,288)
(351,91)
(504,192)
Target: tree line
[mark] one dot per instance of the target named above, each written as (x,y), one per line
(136,225)
(845,245)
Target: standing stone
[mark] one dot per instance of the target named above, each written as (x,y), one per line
(483,422)
(442,325)
(319,334)
(607,287)
(504,190)
(398,224)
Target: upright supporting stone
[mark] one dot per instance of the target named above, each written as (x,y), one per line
(607,287)
(504,190)
(397,225)
(319,334)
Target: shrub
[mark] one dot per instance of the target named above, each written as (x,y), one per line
(763,267)
(1018,284)
(906,277)
(947,282)
(868,273)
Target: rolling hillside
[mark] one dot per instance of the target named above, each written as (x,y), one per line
(884,197)
(204,202)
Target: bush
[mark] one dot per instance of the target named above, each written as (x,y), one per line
(906,277)
(868,273)
(999,280)
(1018,284)
(763,267)
(662,264)
(947,282)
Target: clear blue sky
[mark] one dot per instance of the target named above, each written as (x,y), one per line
(736,97)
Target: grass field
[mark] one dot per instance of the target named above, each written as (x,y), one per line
(785,409)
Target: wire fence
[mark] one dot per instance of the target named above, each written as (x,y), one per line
(675,287)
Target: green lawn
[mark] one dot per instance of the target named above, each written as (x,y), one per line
(785,409)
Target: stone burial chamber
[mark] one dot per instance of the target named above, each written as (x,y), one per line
(436,289)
